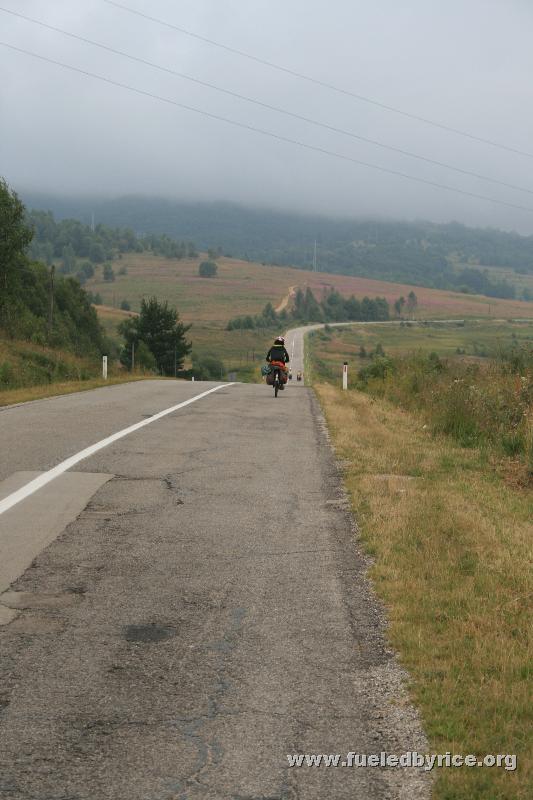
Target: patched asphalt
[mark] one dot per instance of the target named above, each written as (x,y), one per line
(206,614)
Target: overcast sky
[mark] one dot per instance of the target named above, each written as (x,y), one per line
(465,63)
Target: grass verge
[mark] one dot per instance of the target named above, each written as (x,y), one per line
(452,554)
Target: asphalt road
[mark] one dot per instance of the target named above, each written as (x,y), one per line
(199,610)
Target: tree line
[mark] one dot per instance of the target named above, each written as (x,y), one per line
(36,304)
(449,256)
(68,240)
(307,309)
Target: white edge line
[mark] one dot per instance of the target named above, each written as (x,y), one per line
(37,483)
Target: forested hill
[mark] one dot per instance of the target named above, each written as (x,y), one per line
(422,253)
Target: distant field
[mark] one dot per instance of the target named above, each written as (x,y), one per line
(473,339)
(243,287)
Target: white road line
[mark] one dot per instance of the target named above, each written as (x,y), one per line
(37,483)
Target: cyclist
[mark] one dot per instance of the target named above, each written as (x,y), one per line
(278,356)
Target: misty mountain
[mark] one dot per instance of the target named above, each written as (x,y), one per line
(446,256)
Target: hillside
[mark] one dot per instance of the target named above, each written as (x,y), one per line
(241,287)
(447,256)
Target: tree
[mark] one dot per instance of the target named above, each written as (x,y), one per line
(299,305)
(15,237)
(48,253)
(269,314)
(109,274)
(212,254)
(412,302)
(125,306)
(398,305)
(207,269)
(334,306)
(144,358)
(95,299)
(352,307)
(97,253)
(313,312)
(68,260)
(158,326)
(87,269)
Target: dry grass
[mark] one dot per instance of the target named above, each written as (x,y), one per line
(243,287)
(452,549)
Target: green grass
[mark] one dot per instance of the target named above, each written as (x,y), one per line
(24,364)
(477,339)
(478,400)
(31,372)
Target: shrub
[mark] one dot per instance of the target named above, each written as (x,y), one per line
(6,374)
(207,269)
(207,368)
(109,274)
(475,404)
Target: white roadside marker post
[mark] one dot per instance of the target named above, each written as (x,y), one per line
(345,375)
(104,367)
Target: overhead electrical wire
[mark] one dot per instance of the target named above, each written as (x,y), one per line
(268,106)
(323,84)
(263,132)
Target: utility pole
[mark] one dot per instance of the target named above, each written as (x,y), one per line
(51,301)
(92,221)
(314,259)
(175,363)
(133,356)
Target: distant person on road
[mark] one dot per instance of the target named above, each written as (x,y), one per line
(278,356)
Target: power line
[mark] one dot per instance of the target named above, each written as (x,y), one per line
(323,84)
(263,132)
(262,104)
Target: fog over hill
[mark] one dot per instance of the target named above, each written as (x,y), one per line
(133,105)
(418,252)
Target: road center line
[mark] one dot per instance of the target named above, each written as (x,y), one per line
(37,483)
